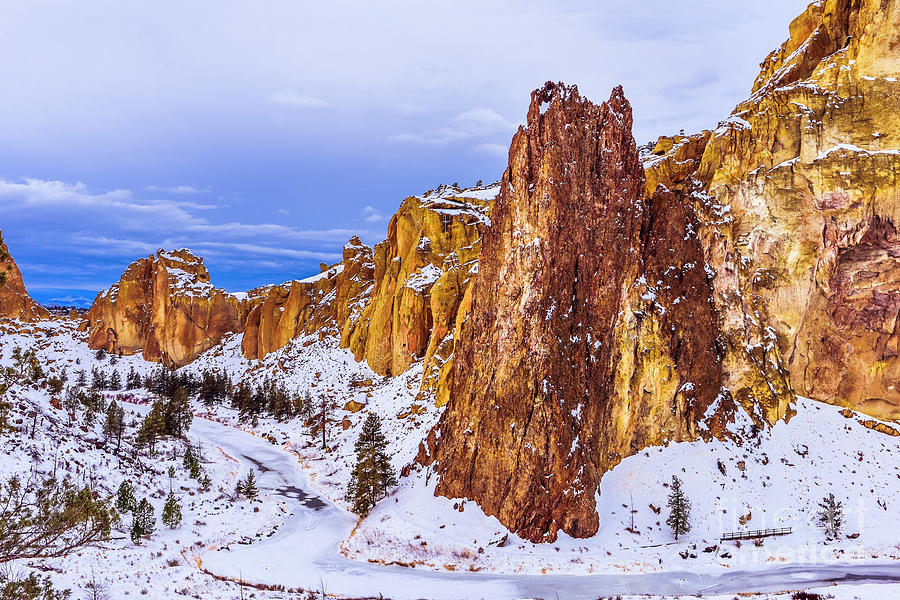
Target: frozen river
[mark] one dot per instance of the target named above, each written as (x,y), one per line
(304,553)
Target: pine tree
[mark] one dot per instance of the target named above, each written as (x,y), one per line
(115,381)
(250,490)
(178,413)
(143,522)
(120,426)
(152,428)
(831,516)
(114,426)
(188,457)
(71,402)
(680,517)
(373,474)
(125,500)
(239,489)
(132,380)
(205,482)
(171,514)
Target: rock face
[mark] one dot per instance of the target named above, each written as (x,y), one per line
(392,305)
(165,307)
(321,304)
(421,275)
(593,329)
(15,302)
(808,167)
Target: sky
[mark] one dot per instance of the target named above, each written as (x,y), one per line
(262,135)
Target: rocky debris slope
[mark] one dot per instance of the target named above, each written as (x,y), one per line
(808,166)
(593,329)
(165,307)
(14,299)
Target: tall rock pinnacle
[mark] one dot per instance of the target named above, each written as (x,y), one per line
(592,331)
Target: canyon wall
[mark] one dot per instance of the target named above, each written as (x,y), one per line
(319,305)
(15,303)
(165,307)
(808,166)
(396,303)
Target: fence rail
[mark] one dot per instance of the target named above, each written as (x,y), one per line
(756,533)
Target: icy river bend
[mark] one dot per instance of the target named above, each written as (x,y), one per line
(304,553)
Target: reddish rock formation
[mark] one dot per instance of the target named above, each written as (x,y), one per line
(592,332)
(320,305)
(15,302)
(165,307)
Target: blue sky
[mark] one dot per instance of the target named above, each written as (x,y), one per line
(262,135)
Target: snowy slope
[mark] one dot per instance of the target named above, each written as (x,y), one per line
(776,479)
(773,481)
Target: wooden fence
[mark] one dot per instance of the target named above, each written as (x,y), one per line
(756,533)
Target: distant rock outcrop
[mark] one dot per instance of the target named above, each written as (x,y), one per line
(165,307)
(320,305)
(15,302)
(422,272)
(392,305)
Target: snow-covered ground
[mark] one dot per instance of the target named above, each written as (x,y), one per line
(163,566)
(775,480)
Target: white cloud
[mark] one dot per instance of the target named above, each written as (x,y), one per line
(178,189)
(494,149)
(268,250)
(477,123)
(292,98)
(372,214)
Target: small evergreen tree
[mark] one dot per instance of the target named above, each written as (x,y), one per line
(246,487)
(205,482)
(831,516)
(171,514)
(132,380)
(153,427)
(188,457)
(114,426)
(250,490)
(373,474)
(143,521)
(680,516)
(125,500)
(90,416)
(178,413)
(115,381)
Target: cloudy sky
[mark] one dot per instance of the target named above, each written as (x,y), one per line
(262,135)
